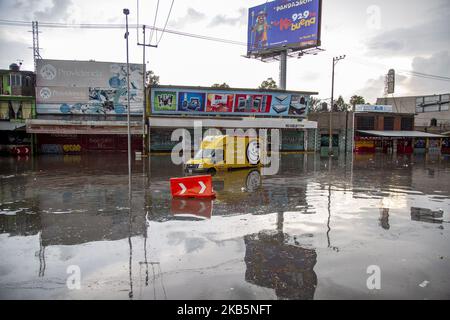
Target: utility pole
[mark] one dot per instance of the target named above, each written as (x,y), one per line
(330,143)
(36,53)
(144,113)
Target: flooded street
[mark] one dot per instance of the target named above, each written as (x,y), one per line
(309,232)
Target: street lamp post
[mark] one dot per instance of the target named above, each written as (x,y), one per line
(126,12)
(330,143)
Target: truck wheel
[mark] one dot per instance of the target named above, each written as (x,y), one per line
(253,152)
(212,171)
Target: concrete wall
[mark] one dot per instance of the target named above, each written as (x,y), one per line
(338,127)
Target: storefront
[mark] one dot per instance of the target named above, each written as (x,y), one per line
(405,142)
(295,134)
(14,111)
(446,145)
(74,137)
(180,107)
(82,107)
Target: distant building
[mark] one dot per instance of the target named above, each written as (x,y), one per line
(374,128)
(17,104)
(432,113)
(380,128)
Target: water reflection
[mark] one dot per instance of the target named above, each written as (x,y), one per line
(426,215)
(192,208)
(384,218)
(264,236)
(275,260)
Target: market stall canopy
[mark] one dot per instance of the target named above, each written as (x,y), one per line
(401,134)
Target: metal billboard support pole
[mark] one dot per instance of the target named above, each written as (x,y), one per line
(283,69)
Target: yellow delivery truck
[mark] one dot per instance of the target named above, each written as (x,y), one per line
(225,152)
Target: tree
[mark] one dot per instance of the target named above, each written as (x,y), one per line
(314,105)
(151,79)
(268,84)
(221,86)
(357,100)
(341,105)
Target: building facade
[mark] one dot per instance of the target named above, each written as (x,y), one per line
(17,104)
(432,113)
(379,129)
(181,107)
(81,106)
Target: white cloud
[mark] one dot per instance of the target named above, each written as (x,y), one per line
(222,19)
(191,16)
(437,64)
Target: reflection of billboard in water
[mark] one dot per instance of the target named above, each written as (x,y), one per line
(87,87)
(283,24)
(209,101)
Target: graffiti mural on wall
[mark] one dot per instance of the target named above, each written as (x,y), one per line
(172,101)
(219,102)
(191,101)
(165,101)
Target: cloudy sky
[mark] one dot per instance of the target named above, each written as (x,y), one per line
(376,35)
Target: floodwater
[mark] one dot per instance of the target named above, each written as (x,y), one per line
(320,229)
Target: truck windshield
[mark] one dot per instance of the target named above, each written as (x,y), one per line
(205,153)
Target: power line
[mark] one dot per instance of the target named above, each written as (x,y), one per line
(165,25)
(402,71)
(191,35)
(154,24)
(118,26)
(425,75)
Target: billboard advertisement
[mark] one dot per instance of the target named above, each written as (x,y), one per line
(87,87)
(228,102)
(283,24)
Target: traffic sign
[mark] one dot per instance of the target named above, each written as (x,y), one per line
(192,187)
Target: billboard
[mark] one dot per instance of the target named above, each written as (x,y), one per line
(228,102)
(87,87)
(283,24)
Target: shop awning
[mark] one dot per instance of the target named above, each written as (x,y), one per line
(82,127)
(245,122)
(10,126)
(401,134)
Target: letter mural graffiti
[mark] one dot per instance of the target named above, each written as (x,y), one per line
(172,101)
